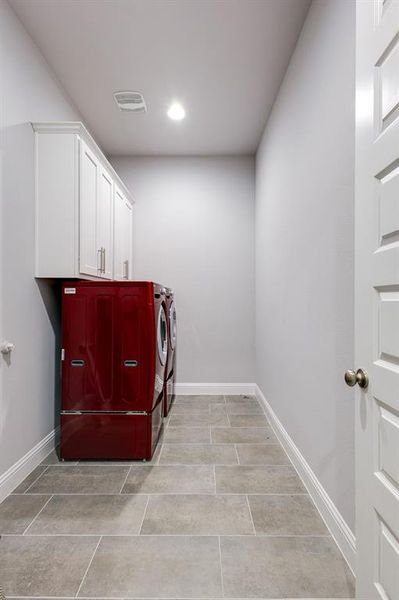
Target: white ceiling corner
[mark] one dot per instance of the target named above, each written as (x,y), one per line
(222,59)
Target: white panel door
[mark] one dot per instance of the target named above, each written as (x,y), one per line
(105,225)
(122,236)
(377,299)
(89,251)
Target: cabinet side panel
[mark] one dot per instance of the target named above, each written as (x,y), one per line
(129,240)
(56,171)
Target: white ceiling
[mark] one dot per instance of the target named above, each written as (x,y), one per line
(222,59)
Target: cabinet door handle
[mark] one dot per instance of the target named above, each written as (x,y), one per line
(126,269)
(103,260)
(100,260)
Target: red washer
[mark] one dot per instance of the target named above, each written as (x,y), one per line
(114,355)
(169,387)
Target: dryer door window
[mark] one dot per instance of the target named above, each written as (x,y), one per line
(172,325)
(162,336)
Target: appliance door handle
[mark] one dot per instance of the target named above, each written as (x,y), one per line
(77,363)
(130,363)
(103,263)
(126,269)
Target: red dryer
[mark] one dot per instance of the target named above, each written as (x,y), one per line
(169,388)
(114,355)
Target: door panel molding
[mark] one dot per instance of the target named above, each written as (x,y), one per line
(377,298)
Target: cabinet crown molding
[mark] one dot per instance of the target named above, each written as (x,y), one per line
(78,128)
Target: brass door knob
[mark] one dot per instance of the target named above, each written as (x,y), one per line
(353,377)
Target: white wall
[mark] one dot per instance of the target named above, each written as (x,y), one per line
(193,231)
(304,249)
(28,311)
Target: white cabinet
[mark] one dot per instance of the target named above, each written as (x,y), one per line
(95,216)
(83,210)
(89,263)
(105,223)
(123,243)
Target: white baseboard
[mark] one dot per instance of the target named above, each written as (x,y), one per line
(191,389)
(25,465)
(337,526)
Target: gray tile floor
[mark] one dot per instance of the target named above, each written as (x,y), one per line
(219,513)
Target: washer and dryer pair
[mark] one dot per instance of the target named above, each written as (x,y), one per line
(117,368)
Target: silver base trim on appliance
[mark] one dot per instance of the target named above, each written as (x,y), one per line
(104,412)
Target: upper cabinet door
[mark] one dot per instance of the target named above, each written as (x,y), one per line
(128,240)
(122,237)
(90,254)
(105,225)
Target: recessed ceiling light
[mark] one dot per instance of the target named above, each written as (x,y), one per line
(176,112)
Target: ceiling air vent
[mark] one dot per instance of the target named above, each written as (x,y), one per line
(133,101)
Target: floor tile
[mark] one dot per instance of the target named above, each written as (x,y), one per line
(54,459)
(258,480)
(154,566)
(198,399)
(170,480)
(187,435)
(246,407)
(243,435)
(197,515)
(155,457)
(81,480)
(240,398)
(191,409)
(194,420)
(262,454)
(44,566)
(31,478)
(286,515)
(91,515)
(277,567)
(218,410)
(248,421)
(198,454)
(17,511)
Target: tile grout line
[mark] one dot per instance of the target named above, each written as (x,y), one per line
(37,479)
(170,493)
(124,481)
(165,598)
(158,461)
(238,457)
(263,443)
(221,566)
(40,511)
(156,535)
(144,515)
(88,566)
(250,513)
(214,478)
